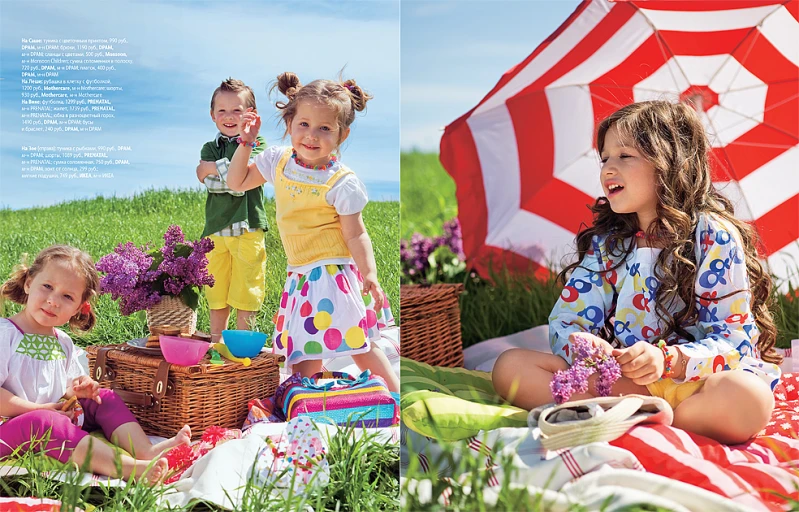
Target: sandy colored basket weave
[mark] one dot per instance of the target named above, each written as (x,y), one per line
(431,324)
(199,396)
(172,311)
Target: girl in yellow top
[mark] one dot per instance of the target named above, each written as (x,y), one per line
(318,207)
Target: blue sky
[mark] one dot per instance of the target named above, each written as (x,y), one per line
(453,53)
(181,51)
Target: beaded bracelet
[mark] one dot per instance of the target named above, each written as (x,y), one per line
(667,359)
(253,144)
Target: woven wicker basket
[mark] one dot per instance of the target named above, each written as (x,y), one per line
(199,396)
(431,324)
(172,311)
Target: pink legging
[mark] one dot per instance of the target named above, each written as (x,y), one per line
(63,435)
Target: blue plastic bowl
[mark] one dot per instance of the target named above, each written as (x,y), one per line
(244,343)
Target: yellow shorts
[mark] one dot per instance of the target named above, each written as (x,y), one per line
(672,392)
(238,264)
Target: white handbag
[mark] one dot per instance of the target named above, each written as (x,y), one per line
(596,419)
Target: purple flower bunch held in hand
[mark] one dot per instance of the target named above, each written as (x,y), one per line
(139,278)
(587,359)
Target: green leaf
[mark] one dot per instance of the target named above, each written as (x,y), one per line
(190,296)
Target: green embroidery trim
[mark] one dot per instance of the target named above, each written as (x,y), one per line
(41,347)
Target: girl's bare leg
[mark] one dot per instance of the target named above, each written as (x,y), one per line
(104,462)
(307,368)
(131,438)
(376,362)
(731,407)
(522,377)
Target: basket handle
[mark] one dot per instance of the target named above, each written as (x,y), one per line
(343,379)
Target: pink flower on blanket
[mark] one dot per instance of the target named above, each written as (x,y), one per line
(182,457)
(179,459)
(213,434)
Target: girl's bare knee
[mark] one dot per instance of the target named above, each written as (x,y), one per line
(512,366)
(503,372)
(747,400)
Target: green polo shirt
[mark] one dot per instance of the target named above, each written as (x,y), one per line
(222,210)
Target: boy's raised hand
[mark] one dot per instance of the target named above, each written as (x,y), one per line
(642,363)
(249,124)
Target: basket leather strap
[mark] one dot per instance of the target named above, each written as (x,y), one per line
(161,386)
(133,398)
(100,370)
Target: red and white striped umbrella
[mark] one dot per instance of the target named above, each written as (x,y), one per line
(524,159)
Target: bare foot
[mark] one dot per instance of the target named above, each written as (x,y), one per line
(157,472)
(182,437)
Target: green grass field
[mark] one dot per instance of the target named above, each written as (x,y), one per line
(364,474)
(98,225)
(428,195)
(515,302)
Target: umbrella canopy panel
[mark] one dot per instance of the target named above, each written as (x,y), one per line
(524,159)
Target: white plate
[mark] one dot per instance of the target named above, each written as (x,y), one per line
(141,345)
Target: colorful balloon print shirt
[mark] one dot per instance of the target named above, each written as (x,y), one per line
(725,336)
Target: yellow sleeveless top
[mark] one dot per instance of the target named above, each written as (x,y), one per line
(310,228)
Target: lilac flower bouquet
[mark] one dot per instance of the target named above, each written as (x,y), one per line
(587,359)
(430,260)
(140,277)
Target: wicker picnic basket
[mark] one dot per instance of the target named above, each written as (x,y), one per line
(164,396)
(431,324)
(172,311)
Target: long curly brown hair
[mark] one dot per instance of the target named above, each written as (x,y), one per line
(671,137)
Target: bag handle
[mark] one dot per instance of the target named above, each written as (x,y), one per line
(343,379)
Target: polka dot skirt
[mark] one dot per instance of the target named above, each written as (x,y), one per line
(323,314)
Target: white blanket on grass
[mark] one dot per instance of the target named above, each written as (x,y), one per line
(219,477)
(591,475)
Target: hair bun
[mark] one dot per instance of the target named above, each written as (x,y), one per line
(358,95)
(288,84)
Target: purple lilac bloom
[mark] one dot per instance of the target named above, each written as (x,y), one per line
(587,359)
(561,387)
(415,254)
(130,279)
(609,372)
(174,235)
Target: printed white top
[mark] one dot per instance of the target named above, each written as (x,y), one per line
(347,195)
(725,334)
(34,367)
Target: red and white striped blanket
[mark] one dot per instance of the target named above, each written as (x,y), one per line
(766,467)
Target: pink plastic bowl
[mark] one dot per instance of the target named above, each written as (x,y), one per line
(183,351)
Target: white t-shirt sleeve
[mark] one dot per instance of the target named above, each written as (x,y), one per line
(348,195)
(267,162)
(74,367)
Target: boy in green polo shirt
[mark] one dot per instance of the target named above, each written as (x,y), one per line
(235,221)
